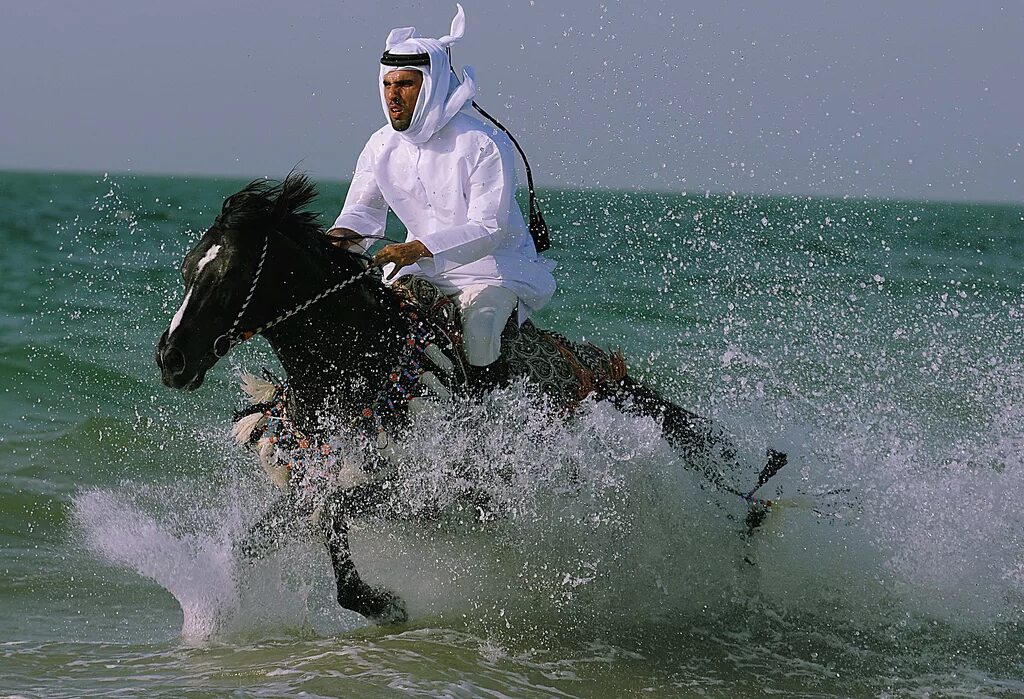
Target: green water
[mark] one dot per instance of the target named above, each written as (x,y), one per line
(879,343)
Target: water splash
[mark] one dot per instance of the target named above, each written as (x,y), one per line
(593,526)
(182,536)
(196,568)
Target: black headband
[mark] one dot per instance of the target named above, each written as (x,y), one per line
(405,59)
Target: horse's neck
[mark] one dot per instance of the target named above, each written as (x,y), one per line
(338,359)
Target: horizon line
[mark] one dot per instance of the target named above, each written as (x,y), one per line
(706,192)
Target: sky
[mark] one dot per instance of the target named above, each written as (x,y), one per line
(918,99)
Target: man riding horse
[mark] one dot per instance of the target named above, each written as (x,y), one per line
(349,345)
(451,180)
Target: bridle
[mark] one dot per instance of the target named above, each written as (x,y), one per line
(223,344)
(407,370)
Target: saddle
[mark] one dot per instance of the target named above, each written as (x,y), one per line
(564,370)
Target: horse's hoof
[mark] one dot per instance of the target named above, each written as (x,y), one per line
(777,459)
(378,604)
(389,610)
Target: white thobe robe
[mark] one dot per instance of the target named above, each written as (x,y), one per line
(455,193)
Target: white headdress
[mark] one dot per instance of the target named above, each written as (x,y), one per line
(442,95)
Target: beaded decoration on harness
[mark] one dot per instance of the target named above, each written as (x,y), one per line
(403,381)
(310,464)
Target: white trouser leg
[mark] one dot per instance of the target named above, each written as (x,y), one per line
(485,310)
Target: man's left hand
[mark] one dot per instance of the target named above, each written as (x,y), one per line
(401,255)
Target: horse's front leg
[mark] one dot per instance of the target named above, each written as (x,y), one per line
(378,604)
(285,516)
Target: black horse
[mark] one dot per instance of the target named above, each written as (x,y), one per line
(342,336)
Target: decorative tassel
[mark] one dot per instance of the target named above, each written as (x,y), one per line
(278,473)
(258,390)
(437,356)
(244,427)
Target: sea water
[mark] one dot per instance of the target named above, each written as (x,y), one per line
(878,343)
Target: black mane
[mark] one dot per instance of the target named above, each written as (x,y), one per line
(281,206)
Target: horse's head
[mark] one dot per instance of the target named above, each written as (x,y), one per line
(231,272)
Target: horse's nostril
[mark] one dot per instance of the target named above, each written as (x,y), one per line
(173,360)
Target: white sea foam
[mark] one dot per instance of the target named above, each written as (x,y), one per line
(196,569)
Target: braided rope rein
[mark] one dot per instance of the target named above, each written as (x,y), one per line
(228,337)
(242,337)
(252,287)
(233,338)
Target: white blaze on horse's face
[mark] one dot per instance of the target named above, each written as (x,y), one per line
(207,258)
(176,320)
(210,255)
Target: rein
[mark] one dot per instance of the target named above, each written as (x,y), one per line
(223,344)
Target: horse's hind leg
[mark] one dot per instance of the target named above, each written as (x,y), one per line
(699,440)
(375,603)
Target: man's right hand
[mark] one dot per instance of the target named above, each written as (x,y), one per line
(401,255)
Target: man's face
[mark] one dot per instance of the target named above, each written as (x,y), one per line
(401,88)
